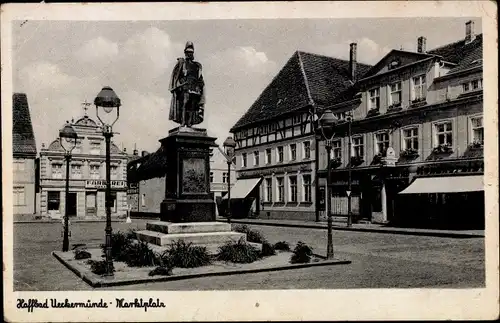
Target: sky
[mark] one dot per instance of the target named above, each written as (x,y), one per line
(61,64)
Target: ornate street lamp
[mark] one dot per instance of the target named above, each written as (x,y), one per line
(327,124)
(109,101)
(67,139)
(229,146)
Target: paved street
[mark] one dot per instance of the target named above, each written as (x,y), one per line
(379,260)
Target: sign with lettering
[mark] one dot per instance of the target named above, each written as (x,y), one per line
(99,183)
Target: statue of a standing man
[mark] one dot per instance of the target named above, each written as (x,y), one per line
(188,90)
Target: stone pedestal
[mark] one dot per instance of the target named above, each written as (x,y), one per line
(187,191)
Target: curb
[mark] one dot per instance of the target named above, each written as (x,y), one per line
(389,231)
(96,282)
(74,221)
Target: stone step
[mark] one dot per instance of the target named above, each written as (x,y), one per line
(212,248)
(201,238)
(191,227)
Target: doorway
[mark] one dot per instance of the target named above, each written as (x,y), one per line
(90,204)
(72,204)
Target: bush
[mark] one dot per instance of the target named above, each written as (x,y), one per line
(185,255)
(161,271)
(139,255)
(131,234)
(82,254)
(301,254)
(119,243)
(252,235)
(267,249)
(98,267)
(282,245)
(238,252)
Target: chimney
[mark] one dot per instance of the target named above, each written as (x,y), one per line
(124,149)
(469,32)
(135,151)
(352,61)
(421,44)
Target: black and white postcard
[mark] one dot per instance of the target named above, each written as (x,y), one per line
(250,161)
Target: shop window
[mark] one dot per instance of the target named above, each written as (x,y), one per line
(307,188)
(410,138)
(268,156)
(419,90)
(256,158)
(281,189)
(292,180)
(477,130)
(307,149)
(444,134)
(53,200)
(280,154)
(381,142)
(358,149)
(374,102)
(395,97)
(19,196)
(269,190)
(293,151)
(57,171)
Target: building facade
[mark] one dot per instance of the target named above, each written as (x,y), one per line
(420,115)
(276,138)
(146,180)
(87,178)
(24,156)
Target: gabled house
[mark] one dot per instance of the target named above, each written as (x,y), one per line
(276,147)
(24,156)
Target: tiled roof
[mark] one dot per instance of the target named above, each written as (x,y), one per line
(151,166)
(305,77)
(457,51)
(22,130)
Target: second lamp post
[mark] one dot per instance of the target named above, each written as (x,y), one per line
(229,146)
(109,101)
(327,124)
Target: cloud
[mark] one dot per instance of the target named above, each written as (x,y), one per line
(97,49)
(43,75)
(242,59)
(368,51)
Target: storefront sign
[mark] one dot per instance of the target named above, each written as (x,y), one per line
(96,183)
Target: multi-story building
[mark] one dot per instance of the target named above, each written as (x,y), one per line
(146,180)
(24,155)
(87,180)
(275,137)
(417,118)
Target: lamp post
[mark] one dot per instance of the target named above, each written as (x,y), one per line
(349,180)
(67,139)
(229,146)
(327,124)
(109,101)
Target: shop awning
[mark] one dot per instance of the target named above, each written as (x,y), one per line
(243,187)
(445,184)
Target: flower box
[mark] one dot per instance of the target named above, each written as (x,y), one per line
(409,153)
(418,102)
(476,145)
(377,159)
(373,112)
(442,149)
(394,107)
(336,162)
(356,160)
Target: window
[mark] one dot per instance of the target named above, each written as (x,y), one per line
(340,115)
(307,149)
(292,180)
(224,177)
(95,148)
(293,151)
(466,87)
(57,171)
(410,138)
(53,200)
(269,190)
(336,149)
(280,154)
(477,130)
(358,147)
(419,89)
(381,142)
(473,85)
(374,102)
(306,183)
(95,172)
(143,200)
(211,177)
(444,134)
(296,119)
(76,171)
(395,97)
(244,160)
(78,147)
(281,189)
(19,165)
(268,155)
(256,158)
(19,196)
(114,172)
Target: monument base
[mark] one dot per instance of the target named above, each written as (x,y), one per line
(187,210)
